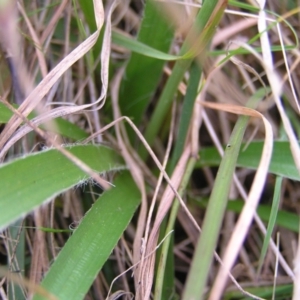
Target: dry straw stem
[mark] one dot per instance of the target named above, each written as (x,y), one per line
(32,287)
(296,291)
(39,92)
(35,97)
(145,276)
(275,83)
(84,167)
(147,269)
(36,41)
(136,172)
(8,137)
(10,43)
(296,52)
(167,198)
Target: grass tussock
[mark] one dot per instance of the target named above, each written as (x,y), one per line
(149,150)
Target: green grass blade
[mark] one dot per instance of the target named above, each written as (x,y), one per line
(68,130)
(28,182)
(186,114)
(282,163)
(284,219)
(198,274)
(141,48)
(84,254)
(266,292)
(142,73)
(272,221)
(205,23)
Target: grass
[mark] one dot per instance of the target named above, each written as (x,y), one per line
(151,150)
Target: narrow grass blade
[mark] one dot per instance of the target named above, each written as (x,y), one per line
(32,180)
(271,222)
(198,274)
(202,31)
(282,163)
(84,254)
(264,292)
(186,114)
(143,49)
(284,219)
(143,73)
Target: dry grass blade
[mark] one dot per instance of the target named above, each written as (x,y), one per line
(45,85)
(275,84)
(35,39)
(26,283)
(8,137)
(136,174)
(103,183)
(147,269)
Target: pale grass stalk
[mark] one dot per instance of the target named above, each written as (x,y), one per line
(147,272)
(36,41)
(135,265)
(224,34)
(135,171)
(67,77)
(39,258)
(143,265)
(48,31)
(32,287)
(276,265)
(275,84)
(53,21)
(39,92)
(287,68)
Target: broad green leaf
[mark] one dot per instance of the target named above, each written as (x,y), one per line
(282,163)
(29,181)
(84,254)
